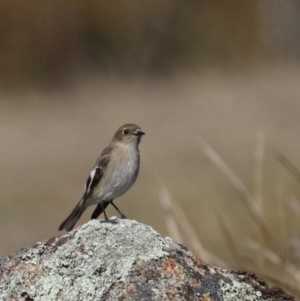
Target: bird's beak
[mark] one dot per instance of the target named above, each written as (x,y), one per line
(139,133)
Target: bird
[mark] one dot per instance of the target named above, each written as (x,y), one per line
(114,172)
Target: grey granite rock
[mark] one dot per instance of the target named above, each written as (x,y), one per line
(122,261)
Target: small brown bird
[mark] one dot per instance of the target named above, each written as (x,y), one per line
(114,173)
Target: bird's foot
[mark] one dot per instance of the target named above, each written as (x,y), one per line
(110,221)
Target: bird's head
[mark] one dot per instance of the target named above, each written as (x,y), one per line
(129,133)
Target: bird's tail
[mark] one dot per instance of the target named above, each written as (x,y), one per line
(71,220)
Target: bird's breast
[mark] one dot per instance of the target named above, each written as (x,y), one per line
(122,171)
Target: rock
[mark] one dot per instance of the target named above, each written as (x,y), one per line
(122,261)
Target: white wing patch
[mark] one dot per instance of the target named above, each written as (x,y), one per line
(90,180)
(92,174)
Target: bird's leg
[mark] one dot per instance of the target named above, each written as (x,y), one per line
(107,220)
(121,214)
(99,209)
(103,210)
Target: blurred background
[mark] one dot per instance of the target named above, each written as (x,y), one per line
(215,86)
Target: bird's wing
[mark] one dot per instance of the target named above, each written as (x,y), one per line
(97,172)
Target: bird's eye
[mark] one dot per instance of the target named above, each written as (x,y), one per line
(125,132)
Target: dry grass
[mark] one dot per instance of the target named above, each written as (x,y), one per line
(271,263)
